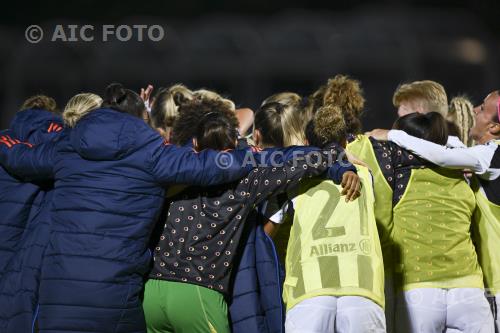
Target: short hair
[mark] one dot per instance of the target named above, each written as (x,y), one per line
(41,102)
(431,93)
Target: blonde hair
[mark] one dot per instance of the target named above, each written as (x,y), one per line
(208,95)
(282,120)
(78,106)
(461,113)
(329,124)
(166,104)
(430,93)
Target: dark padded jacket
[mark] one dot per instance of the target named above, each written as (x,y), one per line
(22,204)
(110,175)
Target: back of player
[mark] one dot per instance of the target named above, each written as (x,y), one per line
(335,271)
(334,261)
(437,268)
(346,93)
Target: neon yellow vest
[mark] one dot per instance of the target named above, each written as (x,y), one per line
(334,247)
(362,148)
(432,224)
(487,238)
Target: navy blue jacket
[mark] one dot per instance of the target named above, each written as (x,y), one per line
(16,196)
(21,205)
(110,174)
(256,305)
(19,285)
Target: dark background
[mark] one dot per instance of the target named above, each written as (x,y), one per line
(248,50)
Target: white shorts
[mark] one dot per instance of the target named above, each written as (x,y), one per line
(434,310)
(330,314)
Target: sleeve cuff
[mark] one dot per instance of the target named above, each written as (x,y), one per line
(336,171)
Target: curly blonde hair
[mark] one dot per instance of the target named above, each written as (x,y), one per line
(347,94)
(78,106)
(330,124)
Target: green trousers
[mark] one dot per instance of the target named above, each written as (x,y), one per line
(174,307)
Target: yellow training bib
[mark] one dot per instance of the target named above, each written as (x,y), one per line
(432,224)
(334,248)
(363,149)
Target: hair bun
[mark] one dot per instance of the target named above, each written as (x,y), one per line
(329,123)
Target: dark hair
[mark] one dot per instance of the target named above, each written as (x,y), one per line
(118,98)
(311,136)
(268,122)
(429,126)
(453,129)
(41,102)
(216,131)
(211,122)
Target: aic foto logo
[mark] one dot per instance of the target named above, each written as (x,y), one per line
(89,33)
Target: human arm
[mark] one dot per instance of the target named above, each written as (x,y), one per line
(264,182)
(475,158)
(182,165)
(455,142)
(245,118)
(26,160)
